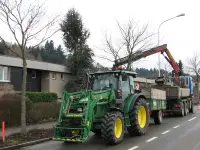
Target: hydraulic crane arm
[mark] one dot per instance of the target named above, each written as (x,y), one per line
(142,54)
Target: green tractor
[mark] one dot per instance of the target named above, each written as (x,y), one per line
(109,107)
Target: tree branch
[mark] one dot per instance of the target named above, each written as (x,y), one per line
(105,58)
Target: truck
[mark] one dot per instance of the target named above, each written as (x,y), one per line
(178,87)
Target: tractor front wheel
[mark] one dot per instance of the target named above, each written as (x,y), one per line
(112,128)
(139,118)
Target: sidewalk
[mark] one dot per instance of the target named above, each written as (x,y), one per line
(12,130)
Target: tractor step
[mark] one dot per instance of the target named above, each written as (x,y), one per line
(70,134)
(70,140)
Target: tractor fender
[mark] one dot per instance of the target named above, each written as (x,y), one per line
(130,101)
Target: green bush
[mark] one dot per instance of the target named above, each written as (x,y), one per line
(10,111)
(10,108)
(43,112)
(37,97)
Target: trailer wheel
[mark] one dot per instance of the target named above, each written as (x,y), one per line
(139,118)
(185,109)
(182,112)
(192,109)
(112,128)
(157,116)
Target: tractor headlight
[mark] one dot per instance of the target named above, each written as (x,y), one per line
(79,109)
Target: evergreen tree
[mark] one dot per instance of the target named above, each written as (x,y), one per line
(3,49)
(181,68)
(50,53)
(75,37)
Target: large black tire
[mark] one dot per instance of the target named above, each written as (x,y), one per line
(182,111)
(112,128)
(186,110)
(157,116)
(139,118)
(192,110)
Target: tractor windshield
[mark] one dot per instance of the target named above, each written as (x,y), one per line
(104,82)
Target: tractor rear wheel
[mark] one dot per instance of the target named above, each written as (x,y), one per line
(139,118)
(112,128)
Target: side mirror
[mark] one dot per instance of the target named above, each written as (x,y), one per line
(124,77)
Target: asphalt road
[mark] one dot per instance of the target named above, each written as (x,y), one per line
(175,133)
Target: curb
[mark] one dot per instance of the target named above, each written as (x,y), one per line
(18,146)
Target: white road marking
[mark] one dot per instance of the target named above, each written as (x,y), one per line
(135,147)
(151,139)
(176,126)
(192,118)
(166,132)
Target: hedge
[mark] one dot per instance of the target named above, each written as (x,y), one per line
(37,97)
(10,111)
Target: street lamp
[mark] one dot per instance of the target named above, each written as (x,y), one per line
(159,39)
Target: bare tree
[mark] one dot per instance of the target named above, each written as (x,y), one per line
(23,19)
(134,39)
(194,66)
(110,48)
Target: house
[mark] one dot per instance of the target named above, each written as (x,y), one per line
(41,76)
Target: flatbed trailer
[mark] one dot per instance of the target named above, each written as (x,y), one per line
(156,101)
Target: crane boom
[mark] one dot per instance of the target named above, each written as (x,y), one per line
(142,54)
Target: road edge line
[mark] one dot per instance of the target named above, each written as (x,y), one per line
(18,146)
(167,131)
(192,118)
(151,139)
(133,148)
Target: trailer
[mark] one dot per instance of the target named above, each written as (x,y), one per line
(156,101)
(179,88)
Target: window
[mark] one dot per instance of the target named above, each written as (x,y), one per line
(4,73)
(125,85)
(33,74)
(53,75)
(62,76)
(132,84)
(104,82)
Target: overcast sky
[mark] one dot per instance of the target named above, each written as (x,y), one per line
(181,34)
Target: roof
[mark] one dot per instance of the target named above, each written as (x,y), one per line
(116,71)
(32,64)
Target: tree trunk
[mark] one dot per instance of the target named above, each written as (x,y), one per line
(129,64)
(23,98)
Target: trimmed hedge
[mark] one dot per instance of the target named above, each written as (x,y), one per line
(37,97)
(10,111)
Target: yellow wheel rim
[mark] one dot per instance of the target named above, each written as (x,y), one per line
(142,117)
(118,127)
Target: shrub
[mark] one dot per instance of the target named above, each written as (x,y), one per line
(10,111)
(42,112)
(37,97)
(10,108)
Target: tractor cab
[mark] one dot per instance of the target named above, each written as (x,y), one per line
(120,80)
